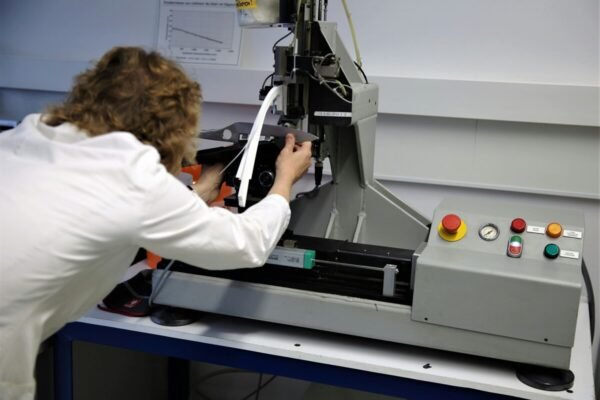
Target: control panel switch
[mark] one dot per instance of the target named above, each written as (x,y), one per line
(515,247)
(518,225)
(554,230)
(452,228)
(551,251)
(451,223)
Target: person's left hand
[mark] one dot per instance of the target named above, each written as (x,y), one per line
(209,184)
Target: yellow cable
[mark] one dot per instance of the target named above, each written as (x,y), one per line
(356,50)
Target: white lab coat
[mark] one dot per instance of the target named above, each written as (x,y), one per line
(73,212)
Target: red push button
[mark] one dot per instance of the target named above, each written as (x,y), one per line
(451,228)
(518,225)
(451,223)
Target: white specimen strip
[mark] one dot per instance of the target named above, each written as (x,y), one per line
(244,172)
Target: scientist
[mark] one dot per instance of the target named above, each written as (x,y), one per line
(90,181)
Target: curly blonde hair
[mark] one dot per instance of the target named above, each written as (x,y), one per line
(140,92)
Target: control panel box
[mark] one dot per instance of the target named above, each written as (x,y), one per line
(505,269)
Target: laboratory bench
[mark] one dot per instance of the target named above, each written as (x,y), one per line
(333,359)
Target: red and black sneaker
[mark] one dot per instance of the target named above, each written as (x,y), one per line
(131,297)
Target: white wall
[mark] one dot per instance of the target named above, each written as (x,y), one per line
(484,77)
(545,41)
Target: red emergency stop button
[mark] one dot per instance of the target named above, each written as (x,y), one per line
(518,225)
(451,223)
(452,228)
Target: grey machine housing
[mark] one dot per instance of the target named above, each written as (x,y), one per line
(474,285)
(468,296)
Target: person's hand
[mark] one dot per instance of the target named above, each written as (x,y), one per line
(209,184)
(293,162)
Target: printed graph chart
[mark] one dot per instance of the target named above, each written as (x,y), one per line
(200,33)
(201,29)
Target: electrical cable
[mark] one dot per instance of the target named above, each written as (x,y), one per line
(167,270)
(215,374)
(280,39)
(316,70)
(325,82)
(300,3)
(353,32)
(260,376)
(591,301)
(226,371)
(332,90)
(160,283)
(294,43)
(273,48)
(249,395)
(297,22)
(234,158)
(134,292)
(362,72)
(319,78)
(265,81)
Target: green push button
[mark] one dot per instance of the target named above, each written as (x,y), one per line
(516,239)
(551,251)
(515,247)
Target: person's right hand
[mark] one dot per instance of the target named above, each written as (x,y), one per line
(293,162)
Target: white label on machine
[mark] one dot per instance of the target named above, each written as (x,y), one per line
(245,137)
(336,114)
(573,234)
(291,257)
(569,254)
(536,229)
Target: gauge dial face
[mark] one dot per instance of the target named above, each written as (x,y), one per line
(489,232)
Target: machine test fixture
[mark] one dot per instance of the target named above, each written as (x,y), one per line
(495,280)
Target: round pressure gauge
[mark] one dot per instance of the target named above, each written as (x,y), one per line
(489,232)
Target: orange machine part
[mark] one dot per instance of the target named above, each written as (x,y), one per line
(196,170)
(152,259)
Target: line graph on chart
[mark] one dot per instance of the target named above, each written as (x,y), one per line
(199,32)
(200,29)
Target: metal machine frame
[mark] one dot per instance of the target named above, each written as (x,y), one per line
(356,208)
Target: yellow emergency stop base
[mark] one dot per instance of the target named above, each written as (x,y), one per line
(453,237)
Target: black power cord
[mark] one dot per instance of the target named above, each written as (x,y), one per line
(266,79)
(260,376)
(591,301)
(259,388)
(283,37)
(361,71)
